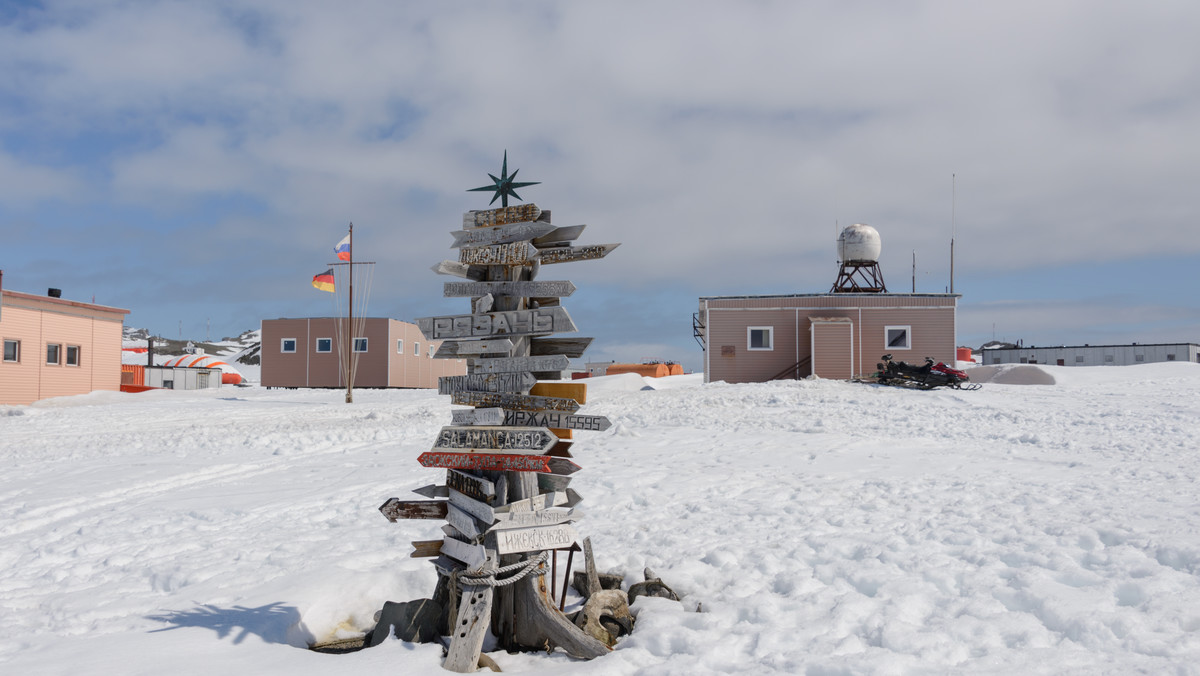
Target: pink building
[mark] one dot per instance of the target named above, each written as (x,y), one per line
(390,353)
(55,347)
(830,335)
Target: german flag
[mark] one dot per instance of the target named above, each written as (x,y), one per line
(324,281)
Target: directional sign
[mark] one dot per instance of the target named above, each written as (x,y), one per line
(426,548)
(567,233)
(501,234)
(431,491)
(516,402)
(475,508)
(513,214)
(477,416)
(516,253)
(488,439)
(463,522)
(557,420)
(470,554)
(542,517)
(457,269)
(567,254)
(540,289)
(555,362)
(553,482)
(453,349)
(533,539)
(487,382)
(496,324)
(571,347)
(561,466)
(395,508)
(472,486)
(494,462)
(543,501)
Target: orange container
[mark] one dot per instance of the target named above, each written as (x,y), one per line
(964,354)
(646,370)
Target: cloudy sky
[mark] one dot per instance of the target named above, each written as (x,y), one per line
(195,162)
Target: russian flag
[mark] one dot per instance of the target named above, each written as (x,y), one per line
(324,281)
(343,249)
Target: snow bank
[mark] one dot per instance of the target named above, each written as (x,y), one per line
(816,527)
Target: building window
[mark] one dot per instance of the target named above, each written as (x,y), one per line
(416,349)
(324,345)
(1078,359)
(399,346)
(1139,357)
(1108,359)
(287,345)
(53,354)
(1170,357)
(431,350)
(897,337)
(360,344)
(995,360)
(12,350)
(760,338)
(72,355)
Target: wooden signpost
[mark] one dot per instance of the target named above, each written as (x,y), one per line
(507,469)
(496,324)
(534,289)
(452,349)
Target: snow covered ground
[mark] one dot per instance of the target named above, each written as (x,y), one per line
(812,527)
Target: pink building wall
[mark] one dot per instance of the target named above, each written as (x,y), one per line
(93,332)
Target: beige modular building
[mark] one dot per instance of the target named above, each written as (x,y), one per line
(829,335)
(55,347)
(390,353)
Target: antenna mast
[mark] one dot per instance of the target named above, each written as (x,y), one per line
(953,197)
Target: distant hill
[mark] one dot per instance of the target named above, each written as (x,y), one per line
(243,349)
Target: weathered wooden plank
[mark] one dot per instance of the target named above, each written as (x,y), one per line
(568,254)
(495,324)
(489,439)
(568,347)
(516,402)
(561,449)
(457,269)
(479,510)
(554,362)
(553,482)
(396,508)
(425,548)
(487,382)
(527,289)
(515,253)
(561,235)
(471,624)
(493,462)
(472,486)
(431,491)
(501,216)
(477,416)
(456,349)
(470,554)
(463,522)
(516,540)
(541,517)
(557,420)
(501,234)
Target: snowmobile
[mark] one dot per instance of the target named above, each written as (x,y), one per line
(927,377)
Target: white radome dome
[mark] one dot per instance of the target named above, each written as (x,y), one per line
(859,243)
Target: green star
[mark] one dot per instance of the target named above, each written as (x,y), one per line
(504,186)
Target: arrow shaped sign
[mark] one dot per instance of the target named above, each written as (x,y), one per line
(487,439)
(493,462)
(501,234)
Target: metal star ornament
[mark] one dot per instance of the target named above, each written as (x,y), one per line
(505,185)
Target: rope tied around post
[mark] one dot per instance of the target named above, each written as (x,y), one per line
(490,579)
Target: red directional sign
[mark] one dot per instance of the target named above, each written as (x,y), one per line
(491,462)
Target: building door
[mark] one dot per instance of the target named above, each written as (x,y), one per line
(833,348)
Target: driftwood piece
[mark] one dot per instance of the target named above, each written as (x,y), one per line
(607,581)
(589,562)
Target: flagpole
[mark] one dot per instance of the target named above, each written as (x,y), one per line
(350,326)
